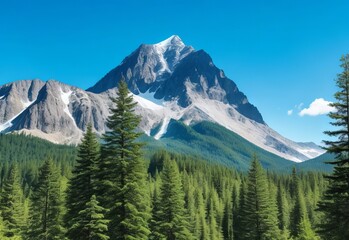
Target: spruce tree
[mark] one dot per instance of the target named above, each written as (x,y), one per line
(82,185)
(122,173)
(91,222)
(240,220)
(154,221)
(335,203)
(201,229)
(45,211)
(11,204)
(299,211)
(228,221)
(215,233)
(300,224)
(305,231)
(172,216)
(261,219)
(283,211)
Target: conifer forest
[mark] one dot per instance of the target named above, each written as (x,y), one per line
(107,189)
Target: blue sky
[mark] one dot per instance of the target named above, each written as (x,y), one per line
(282,54)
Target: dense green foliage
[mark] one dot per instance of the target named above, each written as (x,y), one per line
(46,202)
(92,222)
(82,186)
(31,151)
(11,204)
(259,209)
(335,204)
(171,220)
(122,172)
(213,196)
(106,194)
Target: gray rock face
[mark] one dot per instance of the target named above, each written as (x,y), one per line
(146,67)
(52,108)
(17,95)
(164,68)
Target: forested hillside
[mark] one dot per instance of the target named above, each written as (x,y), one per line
(211,202)
(107,190)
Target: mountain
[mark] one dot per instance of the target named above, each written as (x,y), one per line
(212,142)
(171,71)
(170,81)
(319,163)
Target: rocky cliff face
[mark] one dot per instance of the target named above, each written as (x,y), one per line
(146,67)
(168,80)
(51,109)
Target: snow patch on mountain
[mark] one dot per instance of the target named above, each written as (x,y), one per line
(163,128)
(311,152)
(170,42)
(8,123)
(26,104)
(65,98)
(145,103)
(150,97)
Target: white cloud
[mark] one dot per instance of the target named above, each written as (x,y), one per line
(318,107)
(289,112)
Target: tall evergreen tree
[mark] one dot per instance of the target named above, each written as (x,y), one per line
(283,210)
(299,211)
(11,204)
(335,203)
(300,224)
(228,221)
(91,222)
(260,216)
(154,221)
(122,173)
(82,185)
(172,216)
(201,229)
(45,214)
(240,220)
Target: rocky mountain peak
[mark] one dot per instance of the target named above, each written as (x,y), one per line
(169,81)
(171,42)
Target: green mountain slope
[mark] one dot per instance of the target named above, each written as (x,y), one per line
(27,149)
(318,163)
(205,140)
(214,143)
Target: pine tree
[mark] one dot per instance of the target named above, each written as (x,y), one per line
(122,173)
(305,232)
(91,222)
(283,211)
(228,221)
(11,204)
(261,218)
(154,222)
(82,186)
(299,211)
(335,203)
(215,233)
(201,229)
(240,220)
(300,224)
(172,216)
(46,206)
